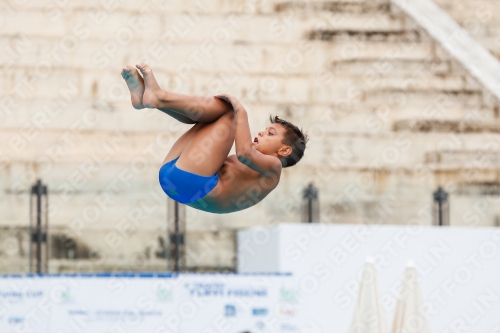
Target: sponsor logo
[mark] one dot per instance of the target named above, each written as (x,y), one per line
(78,312)
(259,312)
(287,311)
(230,310)
(34,293)
(15,320)
(205,289)
(13,295)
(163,294)
(247,292)
(260,325)
(10,294)
(61,294)
(288,328)
(288,295)
(220,289)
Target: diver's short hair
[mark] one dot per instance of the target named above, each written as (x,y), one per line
(295,138)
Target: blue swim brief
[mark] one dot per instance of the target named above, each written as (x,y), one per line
(182,186)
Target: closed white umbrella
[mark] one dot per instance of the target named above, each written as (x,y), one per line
(409,315)
(369,315)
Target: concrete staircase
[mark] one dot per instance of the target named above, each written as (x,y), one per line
(479,18)
(391,116)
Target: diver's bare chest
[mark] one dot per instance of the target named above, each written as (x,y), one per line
(239,176)
(233,169)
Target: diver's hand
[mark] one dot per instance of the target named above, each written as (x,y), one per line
(237,106)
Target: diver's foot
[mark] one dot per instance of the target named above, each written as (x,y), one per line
(150,98)
(135,84)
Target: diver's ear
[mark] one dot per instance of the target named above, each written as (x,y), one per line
(285,151)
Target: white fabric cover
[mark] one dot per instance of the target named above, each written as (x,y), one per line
(369,314)
(409,315)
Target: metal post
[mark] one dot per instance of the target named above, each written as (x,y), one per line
(176,236)
(441,207)
(309,209)
(311,204)
(38,228)
(176,231)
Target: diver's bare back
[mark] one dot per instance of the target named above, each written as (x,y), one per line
(239,187)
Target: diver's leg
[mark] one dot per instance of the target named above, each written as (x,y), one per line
(181,143)
(197,108)
(207,150)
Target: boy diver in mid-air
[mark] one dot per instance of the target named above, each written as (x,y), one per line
(198,171)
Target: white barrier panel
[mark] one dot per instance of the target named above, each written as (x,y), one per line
(207,303)
(23,304)
(458,269)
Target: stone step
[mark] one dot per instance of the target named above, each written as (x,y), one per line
(297,89)
(481,11)
(478,188)
(447,126)
(90,150)
(337,35)
(388,152)
(471,99)
(418,81)
(394,99)
(286,27)
(84,88)
(125,124)
(330,120)
(384,67)
(89,172)
(343,158)
(82,114)
(98,8)
(59,144)
(72,82)
(186,57)
(480,159)
(338,6)
(123,27)
(373,51)
(401,150)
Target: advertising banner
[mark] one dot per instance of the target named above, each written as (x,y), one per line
(207,303)
(111,304)
(251,303)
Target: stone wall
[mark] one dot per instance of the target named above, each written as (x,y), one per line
(479,18)
(391,117)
